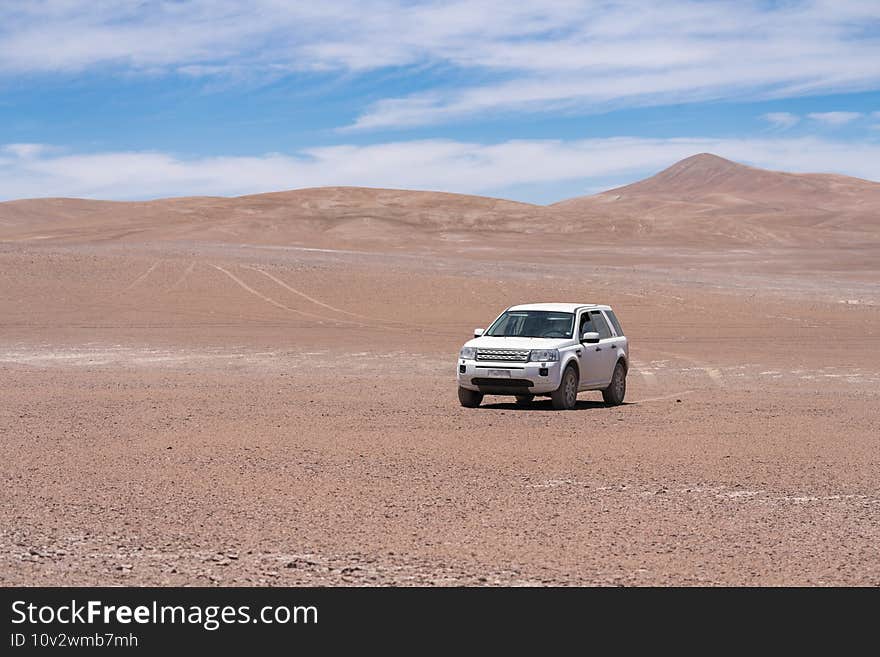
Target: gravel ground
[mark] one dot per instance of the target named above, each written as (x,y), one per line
(183,414)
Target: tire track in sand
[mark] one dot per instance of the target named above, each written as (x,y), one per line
(143,276)
(304,295)
(278,304)
(183,276)
(375,322)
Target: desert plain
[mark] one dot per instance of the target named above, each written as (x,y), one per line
(261,390)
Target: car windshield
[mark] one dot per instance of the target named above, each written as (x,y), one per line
(532,324)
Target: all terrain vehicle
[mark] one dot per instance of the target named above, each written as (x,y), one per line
(546,349)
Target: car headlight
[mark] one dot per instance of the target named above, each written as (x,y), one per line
(544,355)
(468,353)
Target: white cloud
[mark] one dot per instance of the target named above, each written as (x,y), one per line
(782,120)
(207,36)
(638,54)
(835,118)
(572,55)
(25,151)
(426,164)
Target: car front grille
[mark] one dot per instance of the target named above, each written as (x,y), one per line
(506,355)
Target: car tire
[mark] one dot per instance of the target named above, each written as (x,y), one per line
(616,390)
(524,400)
(564,398)
(469,398)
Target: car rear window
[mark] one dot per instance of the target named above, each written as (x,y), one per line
(614,322)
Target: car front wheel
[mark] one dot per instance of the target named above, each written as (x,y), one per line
(469,398)
(565,397)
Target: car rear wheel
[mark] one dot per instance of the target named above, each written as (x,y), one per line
(565,396)
(469,398)
(616,390)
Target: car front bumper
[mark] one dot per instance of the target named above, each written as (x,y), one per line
(521,378)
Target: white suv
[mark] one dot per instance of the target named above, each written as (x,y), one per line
(548,349)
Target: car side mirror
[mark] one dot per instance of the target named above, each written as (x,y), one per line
(590,337)
(478,332)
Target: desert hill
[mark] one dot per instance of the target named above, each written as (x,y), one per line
(703,200)
(318,215)
(706,199)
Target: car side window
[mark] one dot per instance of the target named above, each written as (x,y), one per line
(614,322)
(600,325)
(586,325)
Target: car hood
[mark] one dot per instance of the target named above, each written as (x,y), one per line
(490,342)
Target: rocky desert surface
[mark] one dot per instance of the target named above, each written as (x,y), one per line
(261,390)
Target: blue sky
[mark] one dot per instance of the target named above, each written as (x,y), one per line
(535,101)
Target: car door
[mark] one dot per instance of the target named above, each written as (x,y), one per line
(604,353)
(590,359)
(619,343)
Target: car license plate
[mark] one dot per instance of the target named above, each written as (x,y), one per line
(499,374)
